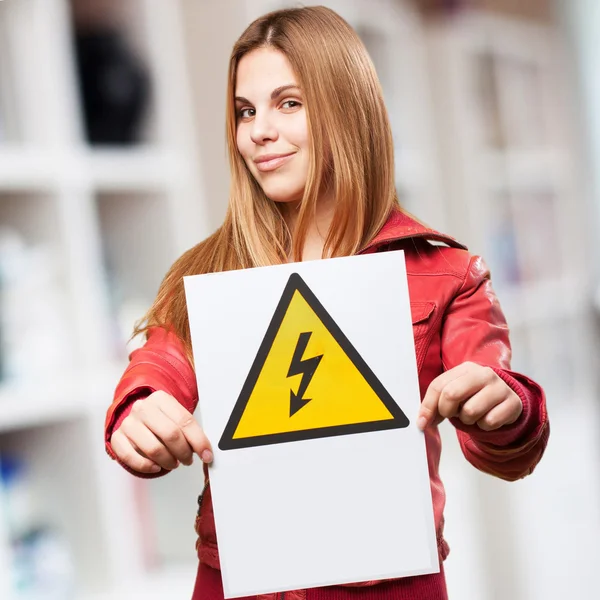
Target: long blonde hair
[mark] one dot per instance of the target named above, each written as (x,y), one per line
(351,152)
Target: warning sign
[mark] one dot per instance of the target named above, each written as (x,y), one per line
(307,381)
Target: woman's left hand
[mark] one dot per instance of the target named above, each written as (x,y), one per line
(474,394)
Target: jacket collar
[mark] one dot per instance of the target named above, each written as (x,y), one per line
(401,226)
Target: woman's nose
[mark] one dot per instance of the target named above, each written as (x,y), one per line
(263,130)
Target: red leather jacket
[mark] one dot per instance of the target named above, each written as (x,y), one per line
(456,318)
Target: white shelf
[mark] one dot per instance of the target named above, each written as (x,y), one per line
(63,398)
(122,169)
(133,169)
(26,169)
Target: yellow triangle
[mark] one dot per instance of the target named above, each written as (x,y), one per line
(307,381)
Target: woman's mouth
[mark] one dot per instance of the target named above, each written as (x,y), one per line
(270,162)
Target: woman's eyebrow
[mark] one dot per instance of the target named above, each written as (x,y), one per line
(278,91)
(274,94)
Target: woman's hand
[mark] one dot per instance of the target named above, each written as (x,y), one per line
(474,394)
(158,434)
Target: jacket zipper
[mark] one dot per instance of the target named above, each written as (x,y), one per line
(201,496)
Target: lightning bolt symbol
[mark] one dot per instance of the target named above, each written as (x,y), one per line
(306,368)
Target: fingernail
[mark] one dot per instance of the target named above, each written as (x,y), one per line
(154,469)
(207,456)
(421,423)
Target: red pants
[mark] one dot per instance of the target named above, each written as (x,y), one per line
(425,587)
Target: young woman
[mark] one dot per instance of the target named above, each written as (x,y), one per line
(312,170)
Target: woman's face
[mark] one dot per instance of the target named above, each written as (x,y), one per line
(272,132)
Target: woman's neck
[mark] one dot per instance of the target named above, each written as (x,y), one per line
(318,227)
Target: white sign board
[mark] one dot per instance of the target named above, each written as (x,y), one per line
(308,392)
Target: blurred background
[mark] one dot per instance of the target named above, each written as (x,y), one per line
(113,162)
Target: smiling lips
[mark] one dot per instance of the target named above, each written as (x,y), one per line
(270,162)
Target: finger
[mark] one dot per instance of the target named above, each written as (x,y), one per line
(189,426)
(462,389)
(145,442)
(437,420)
(481,403)
(505,413)
(428,411)
(127,454)
(165,430)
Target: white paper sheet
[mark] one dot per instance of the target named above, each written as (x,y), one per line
(308,391)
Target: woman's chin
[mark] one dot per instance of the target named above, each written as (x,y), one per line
(283,196)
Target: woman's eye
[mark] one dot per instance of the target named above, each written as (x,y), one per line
(246,113)
(291,104)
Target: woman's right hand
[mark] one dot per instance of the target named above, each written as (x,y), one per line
(159,433)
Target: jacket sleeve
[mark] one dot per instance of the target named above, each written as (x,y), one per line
(474,329)
(159,365)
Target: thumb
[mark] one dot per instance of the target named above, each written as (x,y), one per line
(428,411)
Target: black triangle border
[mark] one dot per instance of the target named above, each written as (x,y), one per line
(296,283)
